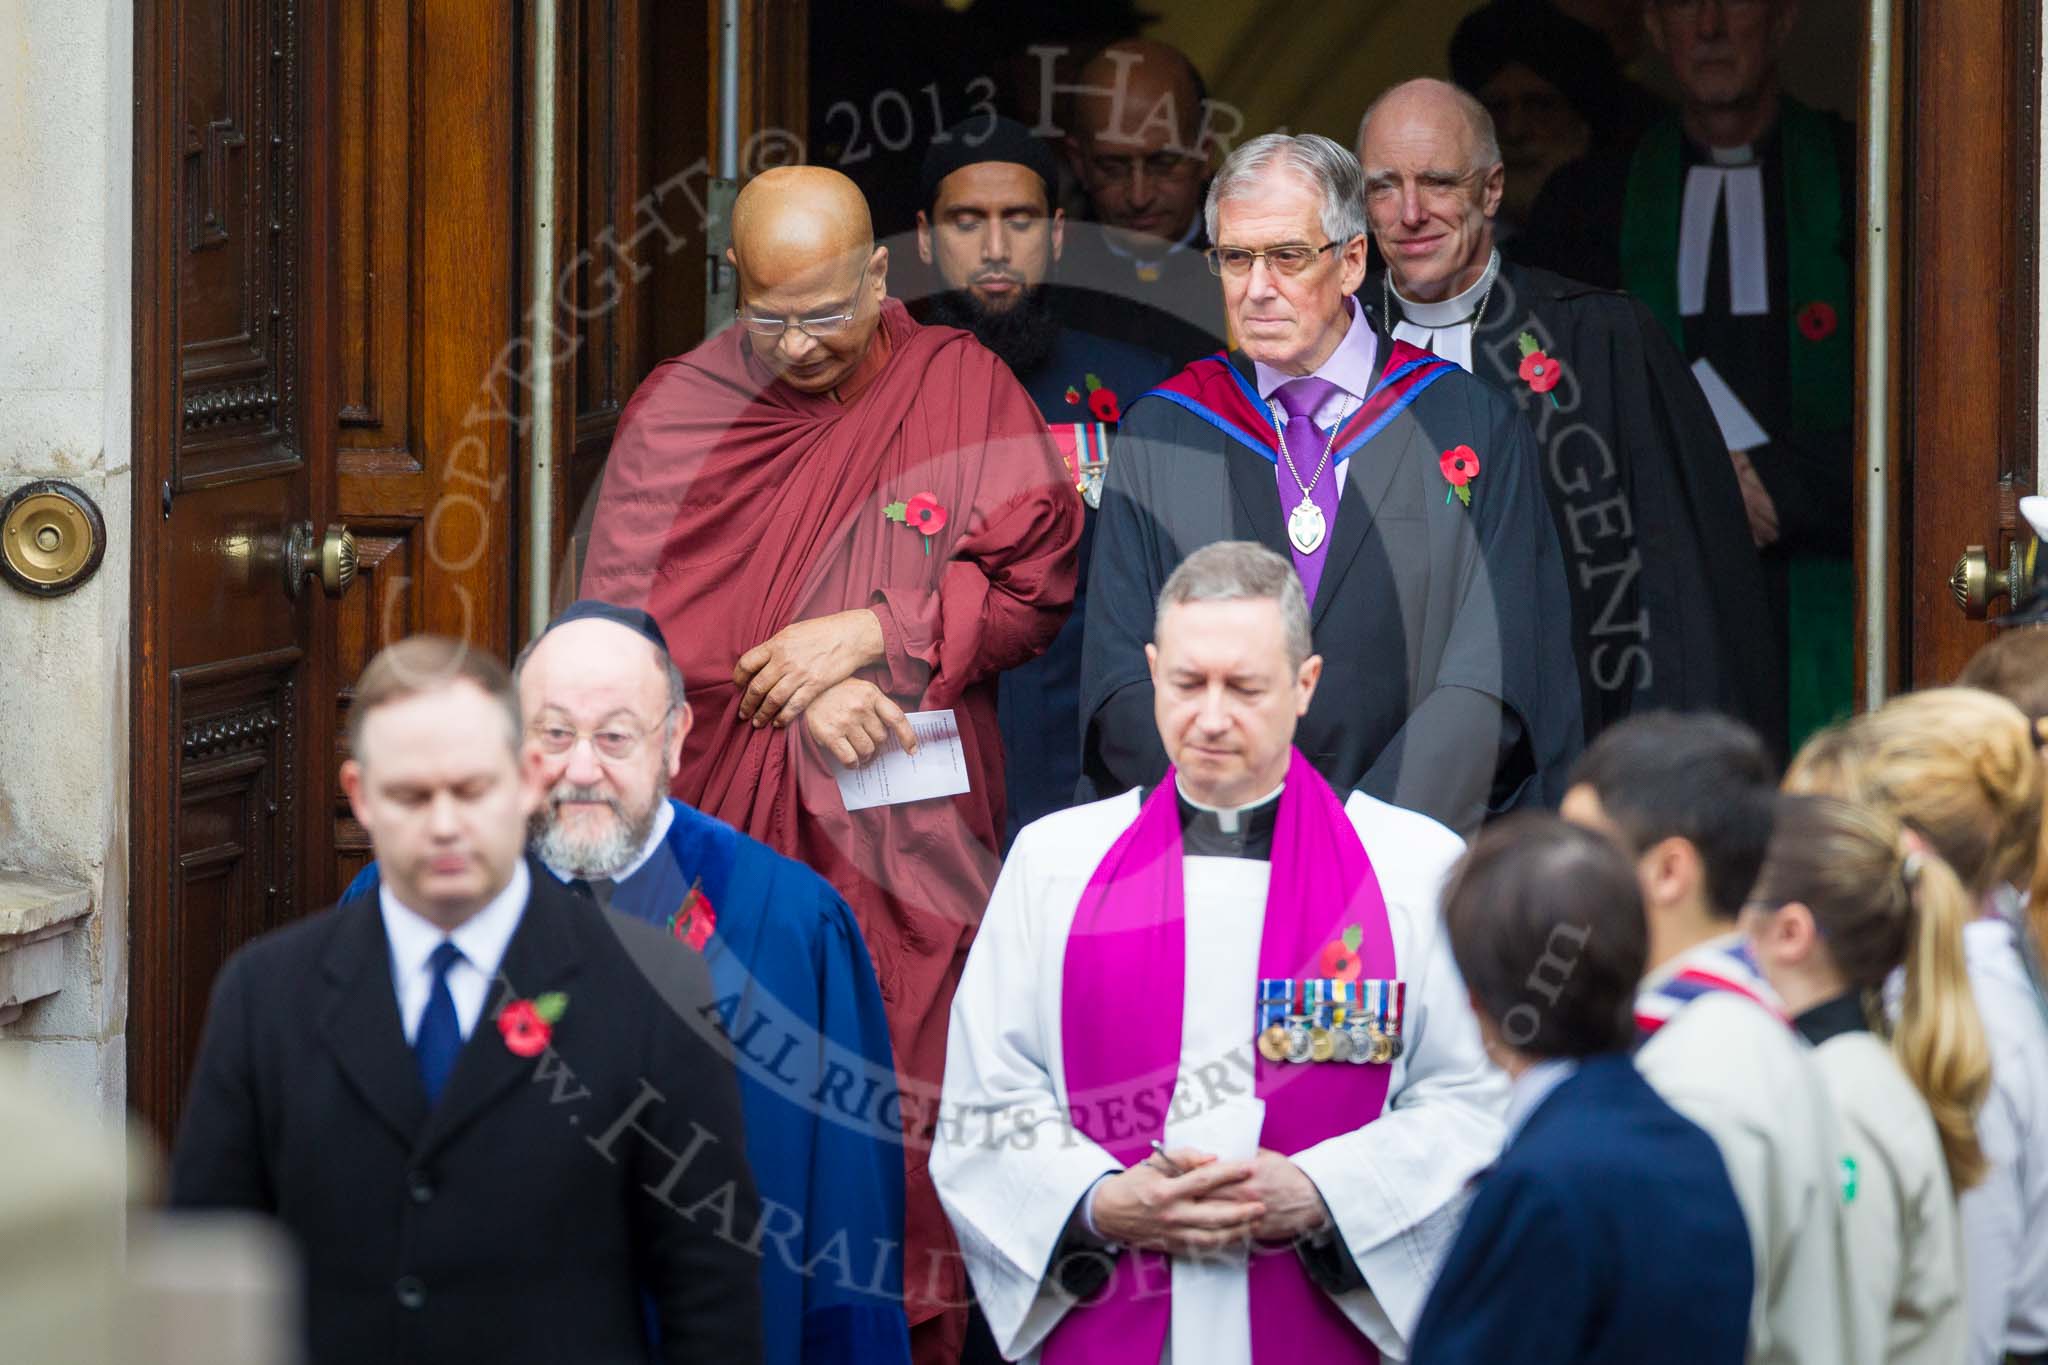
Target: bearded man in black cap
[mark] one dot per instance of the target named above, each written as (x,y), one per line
(1666,584)
(992,237)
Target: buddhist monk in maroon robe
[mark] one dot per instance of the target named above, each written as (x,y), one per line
(840,516)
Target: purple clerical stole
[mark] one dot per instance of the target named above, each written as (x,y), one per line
(1128,944)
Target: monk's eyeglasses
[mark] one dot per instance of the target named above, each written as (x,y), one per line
(614,742)
(831,324)
(1291,259)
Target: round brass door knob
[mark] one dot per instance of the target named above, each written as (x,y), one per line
(52,538)
(1974,582)
(331,559)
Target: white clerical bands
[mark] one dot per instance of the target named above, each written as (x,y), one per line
(1749,290)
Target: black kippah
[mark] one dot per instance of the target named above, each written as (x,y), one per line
(975,140)
(632,618)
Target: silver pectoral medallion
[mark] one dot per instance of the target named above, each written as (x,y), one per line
(1305,526)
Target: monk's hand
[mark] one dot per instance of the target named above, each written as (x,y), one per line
(786,672)
(1293,1205)
(854,719)
(1203,1210)
(1757,503)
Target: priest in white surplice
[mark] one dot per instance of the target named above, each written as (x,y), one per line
(1235,977)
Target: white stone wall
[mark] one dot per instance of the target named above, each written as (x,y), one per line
(66,167)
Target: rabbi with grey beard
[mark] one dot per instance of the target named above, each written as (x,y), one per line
(605,720)
(993,241)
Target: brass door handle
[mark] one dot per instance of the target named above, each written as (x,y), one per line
(330,558)
(1974,582)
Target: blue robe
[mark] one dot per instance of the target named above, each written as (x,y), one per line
(798,996)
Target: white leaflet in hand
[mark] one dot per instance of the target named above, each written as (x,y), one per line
(892,777)
(1739,429)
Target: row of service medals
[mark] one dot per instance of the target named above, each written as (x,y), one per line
(1320,1020)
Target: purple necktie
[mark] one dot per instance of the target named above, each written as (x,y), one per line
(1300,398)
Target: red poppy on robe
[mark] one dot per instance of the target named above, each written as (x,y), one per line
(696,919)
(1540,372)
(1460,465)
(1817,321)
(1102,402)
(922,511)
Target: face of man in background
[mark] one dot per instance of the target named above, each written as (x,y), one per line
(439,783)
(1431,205)
(1723,53)
(992,242)
(1539,132)
(1226,697)
(989,233)
(605,745)
(1136,150)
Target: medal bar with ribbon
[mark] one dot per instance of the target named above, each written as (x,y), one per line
(1276,1005)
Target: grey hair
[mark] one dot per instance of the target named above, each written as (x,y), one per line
(1310,156)
(1485,141)
(1238,571)
(671,672)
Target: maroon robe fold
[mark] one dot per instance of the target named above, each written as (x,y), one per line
(733,506)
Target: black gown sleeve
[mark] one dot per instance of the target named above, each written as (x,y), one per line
(1728,585)
(1501,725)
(1120,746)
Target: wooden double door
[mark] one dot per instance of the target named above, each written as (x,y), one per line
(337,238)
(335,328)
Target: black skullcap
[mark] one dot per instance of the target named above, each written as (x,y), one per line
(632,618)
(1572,56)
(975,140)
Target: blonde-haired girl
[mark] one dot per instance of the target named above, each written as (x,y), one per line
(1959,767)
(1842,902)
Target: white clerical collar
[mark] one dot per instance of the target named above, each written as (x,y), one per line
(1458,308)
(1186,238)
(481,938)
(663,819)
(1227,816)
(1732,156)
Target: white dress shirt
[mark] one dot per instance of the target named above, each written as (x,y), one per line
(1350,368)
(1531,1088)
(482,939)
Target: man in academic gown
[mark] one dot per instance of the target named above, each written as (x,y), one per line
(1667,590)
(839,516)
(992,236)
(1735,224)
(493,1117)
(606,720)
(1408,494)
(1172,1125)
(1140,143)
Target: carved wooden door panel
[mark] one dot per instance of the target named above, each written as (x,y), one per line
(425,419)
(233,461)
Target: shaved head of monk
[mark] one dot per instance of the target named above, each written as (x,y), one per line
(1137,139)
(805,250)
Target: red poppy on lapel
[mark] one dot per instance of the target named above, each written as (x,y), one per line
(528,1026)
